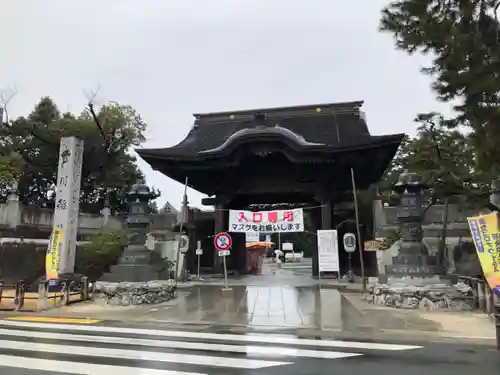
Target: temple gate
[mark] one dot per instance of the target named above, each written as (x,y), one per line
(296,155)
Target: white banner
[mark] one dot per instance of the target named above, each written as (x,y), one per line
(266,221)
(328,251)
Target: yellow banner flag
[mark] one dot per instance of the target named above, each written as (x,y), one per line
(53,255)
(486,237)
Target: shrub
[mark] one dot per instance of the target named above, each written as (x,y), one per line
(102,251)
(26,261)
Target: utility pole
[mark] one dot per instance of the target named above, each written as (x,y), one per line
(358,229)
(183,214)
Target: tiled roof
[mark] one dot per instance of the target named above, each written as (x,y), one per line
(331,126)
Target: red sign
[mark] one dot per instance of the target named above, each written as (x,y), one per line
(266,221)
(223,241)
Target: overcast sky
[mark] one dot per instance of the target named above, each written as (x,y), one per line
(169,59)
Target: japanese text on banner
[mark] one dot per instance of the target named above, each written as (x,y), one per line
(486,237)
(266,221)
(328,251)
(53,255)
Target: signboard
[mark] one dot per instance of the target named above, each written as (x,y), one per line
(223,242)
(199,250)
(349,242)
(184,243)
(284,221)
(252,236)
(486,237)
(52,258)
(328,251)
(373,245)
(287,246)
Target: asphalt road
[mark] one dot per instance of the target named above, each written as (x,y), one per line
(33,348)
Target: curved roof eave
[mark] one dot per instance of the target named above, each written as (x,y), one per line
(175,153)
(275,130)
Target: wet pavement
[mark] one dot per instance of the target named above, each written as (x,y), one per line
(30,348)
(284,301)
(280,305)
(278,298)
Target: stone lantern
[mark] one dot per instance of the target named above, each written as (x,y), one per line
(413,259)
(134,264)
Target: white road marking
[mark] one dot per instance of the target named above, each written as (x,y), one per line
(216,336)
(257,350)
(141,355)
(80,368)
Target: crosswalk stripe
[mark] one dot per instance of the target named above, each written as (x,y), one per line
(141,355)
(80,368)
(250,350)
(216,336)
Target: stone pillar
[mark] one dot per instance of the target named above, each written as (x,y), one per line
(413,259)
(106,211)
(134,264)
(13,207)
(67,203)
(379,218)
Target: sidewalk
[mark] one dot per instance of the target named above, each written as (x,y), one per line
(440,323)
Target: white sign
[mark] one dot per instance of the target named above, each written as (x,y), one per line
(349,241)
(268,238)
(283,221)
(252,236)
(328,251)
(67,203)
(184,243)
(224,253)
(287,246)
(199,250)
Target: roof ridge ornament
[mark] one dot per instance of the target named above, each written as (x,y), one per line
(261,119)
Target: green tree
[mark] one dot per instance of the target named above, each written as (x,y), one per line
(107,164)
(461,36)
(11,166)
(443,157)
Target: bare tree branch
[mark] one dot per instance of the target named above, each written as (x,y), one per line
(92,94)
(6,95)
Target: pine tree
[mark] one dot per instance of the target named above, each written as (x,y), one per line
(462,38)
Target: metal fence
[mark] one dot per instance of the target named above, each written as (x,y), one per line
(16,296)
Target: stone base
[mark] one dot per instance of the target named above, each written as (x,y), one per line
(428,297)
(130,293)
(413,275)
(226,292)
(422,280)
(129,272)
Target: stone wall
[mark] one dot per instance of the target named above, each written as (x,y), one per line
(126,293)
(458,297)
(17,220)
